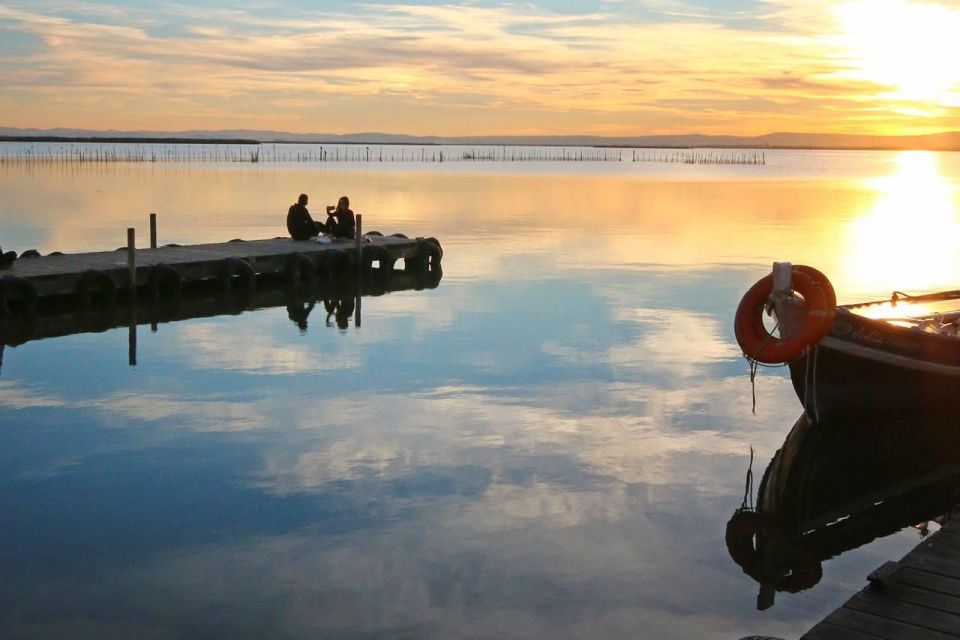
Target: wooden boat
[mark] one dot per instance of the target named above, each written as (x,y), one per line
(843,361)
(836,485)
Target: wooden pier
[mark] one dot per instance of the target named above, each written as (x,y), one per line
(126,270)
(917,597)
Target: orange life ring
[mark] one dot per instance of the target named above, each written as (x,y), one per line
(741,530)
(823,282)
(758,344)
(803,564)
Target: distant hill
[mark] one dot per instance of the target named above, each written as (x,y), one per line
(948,141)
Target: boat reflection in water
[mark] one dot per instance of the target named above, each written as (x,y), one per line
(836,485)
(341,302)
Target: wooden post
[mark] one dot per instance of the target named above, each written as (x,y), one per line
(359,244)
(132,264)
(153,231)
(132,336)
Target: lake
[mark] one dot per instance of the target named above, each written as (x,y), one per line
(548,444)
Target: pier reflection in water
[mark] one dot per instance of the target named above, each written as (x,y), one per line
(341,302)
(835,486)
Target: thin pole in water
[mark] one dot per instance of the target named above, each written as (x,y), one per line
(132,283)
(358,237)
(153,231)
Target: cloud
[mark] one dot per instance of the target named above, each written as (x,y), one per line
(667,68)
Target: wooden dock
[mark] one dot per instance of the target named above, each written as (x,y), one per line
(64,275)
(917,597)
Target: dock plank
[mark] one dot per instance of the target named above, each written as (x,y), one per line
(930,581)
(879,627)
(827,631)
(891,605)
(919,598)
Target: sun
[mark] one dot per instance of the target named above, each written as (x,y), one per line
(912,47)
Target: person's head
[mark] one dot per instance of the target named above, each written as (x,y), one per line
(303,198)
(343,203)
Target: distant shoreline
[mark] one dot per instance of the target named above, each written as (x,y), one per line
(244,141)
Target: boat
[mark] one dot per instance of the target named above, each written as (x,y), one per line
(844,359)
(836,485)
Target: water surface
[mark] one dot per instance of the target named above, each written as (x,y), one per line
(549,444)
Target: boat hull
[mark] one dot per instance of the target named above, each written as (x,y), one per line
(867,365)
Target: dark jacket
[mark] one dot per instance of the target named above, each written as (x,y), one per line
(343,226)
(299,223)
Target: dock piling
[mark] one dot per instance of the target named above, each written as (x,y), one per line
(153,231)
(358,238)
(132,262)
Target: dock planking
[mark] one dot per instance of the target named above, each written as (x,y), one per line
(917,597)
(57,275)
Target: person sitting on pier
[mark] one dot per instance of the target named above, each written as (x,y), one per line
(6,259)
(299,223)
(341,222)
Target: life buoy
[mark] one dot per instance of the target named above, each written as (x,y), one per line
(380,255)
(338,262)
(754,339)
(803,564)
(742,529)
(823,282)
(436,242)
(27,295)
(93,280)
(429,279)
(164,280)
(231,268)
(430,253)
(300,269)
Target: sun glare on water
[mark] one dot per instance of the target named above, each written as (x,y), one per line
(910,238)
(912,47)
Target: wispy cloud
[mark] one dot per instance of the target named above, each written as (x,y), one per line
(470,68)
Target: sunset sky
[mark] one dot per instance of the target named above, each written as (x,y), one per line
(605,67)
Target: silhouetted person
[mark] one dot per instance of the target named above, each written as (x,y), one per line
(299,311)
(299,223)
(6,259)
(341,310)
(341,222)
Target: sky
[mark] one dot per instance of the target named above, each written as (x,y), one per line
(483,67)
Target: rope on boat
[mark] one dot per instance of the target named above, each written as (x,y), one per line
(756,364)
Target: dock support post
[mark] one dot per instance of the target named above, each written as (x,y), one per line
(359,245)
(132,263)
(132,284)
(132,336)
(153,231)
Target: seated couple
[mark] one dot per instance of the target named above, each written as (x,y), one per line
(340,221)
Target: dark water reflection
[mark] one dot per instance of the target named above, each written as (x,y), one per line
(548,444)
(838,484)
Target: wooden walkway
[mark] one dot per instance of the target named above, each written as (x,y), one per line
(918,597)
(60,275)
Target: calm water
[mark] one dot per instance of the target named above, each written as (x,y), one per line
(549,444)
